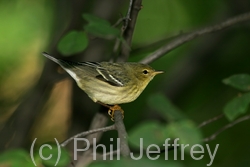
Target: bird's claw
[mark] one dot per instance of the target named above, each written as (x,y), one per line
(112,110)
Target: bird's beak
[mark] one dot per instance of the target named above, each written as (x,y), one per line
(158,72)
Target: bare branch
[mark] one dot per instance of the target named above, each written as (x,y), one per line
(100,120)
(82,134)
(125,151)
(128,28)
(126,19)
(128,15)
(118,21)
(210,120)
(213,136)
(190,36)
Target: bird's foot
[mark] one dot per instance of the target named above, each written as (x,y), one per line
(112,110)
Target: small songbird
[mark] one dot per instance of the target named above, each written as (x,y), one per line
(109,84)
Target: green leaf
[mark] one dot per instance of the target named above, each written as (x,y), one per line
(240,81)
(100,27)
(73,42)
(52,152)
(92,19)
(150,132)
(102,31)
(161,104)
(15,158)
(237,106)
(186,131)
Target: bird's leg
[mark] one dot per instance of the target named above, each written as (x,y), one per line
(112,109)
(103,104)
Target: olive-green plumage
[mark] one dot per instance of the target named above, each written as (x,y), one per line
(109,83)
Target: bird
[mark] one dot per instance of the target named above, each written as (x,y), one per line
(107,83)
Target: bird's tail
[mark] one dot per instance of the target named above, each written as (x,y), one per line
(64,64)
(51,58)
(68,66)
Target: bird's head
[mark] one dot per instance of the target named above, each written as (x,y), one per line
(143,72)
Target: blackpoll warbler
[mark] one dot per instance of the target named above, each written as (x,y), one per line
(109,83)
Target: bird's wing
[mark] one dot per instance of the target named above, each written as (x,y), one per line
(111,73)
(104,71)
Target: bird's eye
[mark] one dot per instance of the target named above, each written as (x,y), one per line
(145,71)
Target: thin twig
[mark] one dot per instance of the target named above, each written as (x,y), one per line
(135,7)
(100,120)
(210,120)
(123,29)
(213,136)
(82,134)
(125,151)
(128,15)
(118,21)
(126,19)
(190,36)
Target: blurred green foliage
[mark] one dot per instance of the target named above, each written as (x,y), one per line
(149,132)
(23,26)
(240,104)
(142,162)
(240,81)
(18,157)
(15,158)
(100,27)
(161,104)
(237,106)
(73,42)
